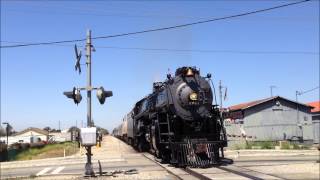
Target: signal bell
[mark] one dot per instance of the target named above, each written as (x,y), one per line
(102,94)
(74,94)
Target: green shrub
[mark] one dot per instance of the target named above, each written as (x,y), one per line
(295,146)
(285,145)
(248,145)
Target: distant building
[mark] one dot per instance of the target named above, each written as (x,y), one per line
(275,118)
(59,136)
(316,120)
(29,135)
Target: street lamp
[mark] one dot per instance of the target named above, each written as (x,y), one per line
(7,130)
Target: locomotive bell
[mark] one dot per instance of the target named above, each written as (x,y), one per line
(189,72)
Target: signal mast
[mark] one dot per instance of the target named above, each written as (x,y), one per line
(88,134)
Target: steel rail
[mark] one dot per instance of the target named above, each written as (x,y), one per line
(240,173)
(195,174)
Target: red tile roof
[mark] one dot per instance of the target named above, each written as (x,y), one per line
(316,106)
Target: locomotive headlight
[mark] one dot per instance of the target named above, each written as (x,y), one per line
(193,96)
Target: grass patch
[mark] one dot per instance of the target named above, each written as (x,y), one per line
(48,151)
(286,145)
(261,144)
(268,145)
(255,145)
(238,146)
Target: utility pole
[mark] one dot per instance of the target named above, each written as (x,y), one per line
(88,167)
(88,50)
(221,112)
(220,93)
(271,87)
(298,123)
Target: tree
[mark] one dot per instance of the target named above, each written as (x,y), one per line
(10,130)
(74,128)
(103,130)
(2,131)
(47,128)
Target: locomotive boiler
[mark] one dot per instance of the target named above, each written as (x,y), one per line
(178,121)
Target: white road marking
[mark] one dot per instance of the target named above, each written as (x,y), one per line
(43,171)
(56,171)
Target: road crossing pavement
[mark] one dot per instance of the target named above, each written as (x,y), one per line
(115,155)
(47,170)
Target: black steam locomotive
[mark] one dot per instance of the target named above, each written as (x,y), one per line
(177,121)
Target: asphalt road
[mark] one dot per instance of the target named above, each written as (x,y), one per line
(114,155)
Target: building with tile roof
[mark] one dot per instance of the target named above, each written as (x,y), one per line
(275,118)
(316,120)
(316,106)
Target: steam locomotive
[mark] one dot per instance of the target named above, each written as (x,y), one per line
(177,122)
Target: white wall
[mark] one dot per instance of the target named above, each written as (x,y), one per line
(25,137)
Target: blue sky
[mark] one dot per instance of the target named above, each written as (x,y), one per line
(34,78)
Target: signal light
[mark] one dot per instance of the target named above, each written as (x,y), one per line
(74,94)
(102,94)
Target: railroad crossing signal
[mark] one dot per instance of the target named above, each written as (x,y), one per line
(102,94)
(78,57)
(74,94)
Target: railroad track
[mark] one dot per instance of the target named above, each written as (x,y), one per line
(180,173)
(198,173)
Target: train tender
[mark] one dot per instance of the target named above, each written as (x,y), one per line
(177,122)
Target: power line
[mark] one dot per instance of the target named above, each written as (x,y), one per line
(210,51)
(303,92)
(159,29)
(190,50)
